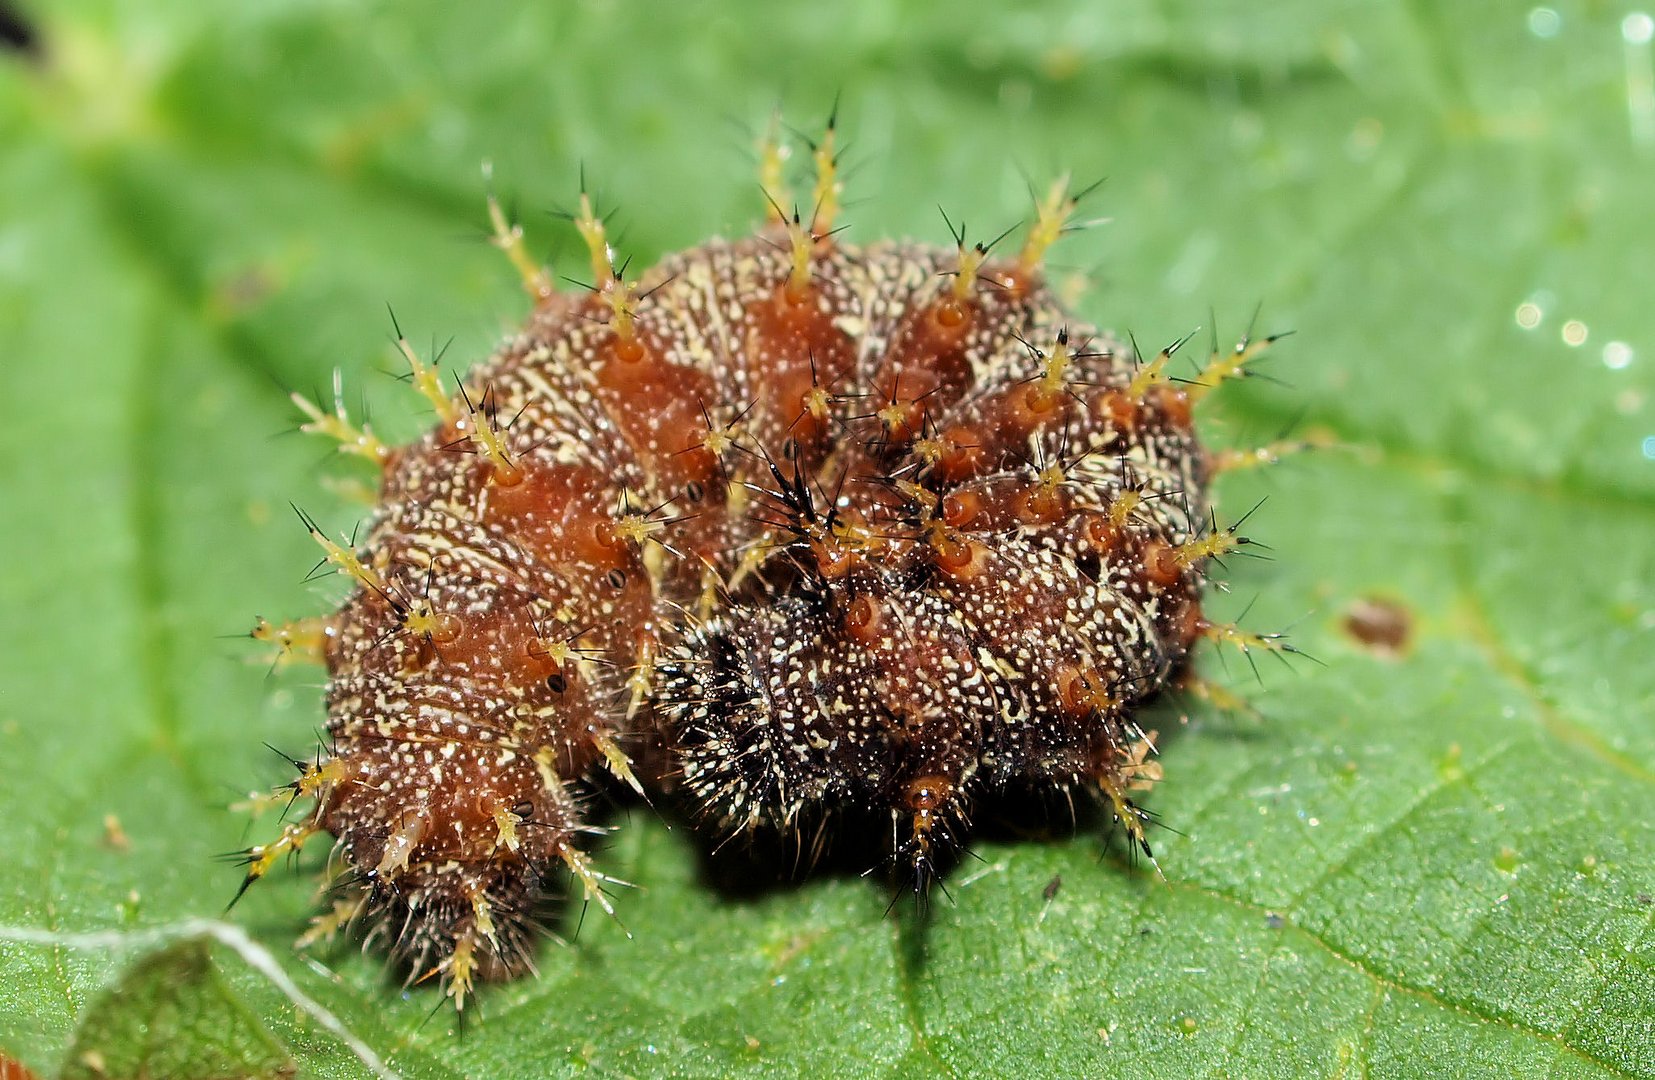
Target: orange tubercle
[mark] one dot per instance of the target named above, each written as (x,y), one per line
(1173,403)
(962,560)
(960,508)
(1161,564)
(865,619)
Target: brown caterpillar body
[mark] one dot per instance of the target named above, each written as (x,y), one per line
(839,526)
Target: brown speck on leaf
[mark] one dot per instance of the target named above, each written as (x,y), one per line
(1384,626)
(1052,886)
(243,291)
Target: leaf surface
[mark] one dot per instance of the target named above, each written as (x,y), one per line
(1436,863)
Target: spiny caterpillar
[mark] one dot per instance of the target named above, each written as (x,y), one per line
(834,527)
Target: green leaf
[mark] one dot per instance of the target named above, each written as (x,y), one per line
(1441,862)
(172,1016)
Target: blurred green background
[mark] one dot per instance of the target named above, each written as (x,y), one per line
(1435,863)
